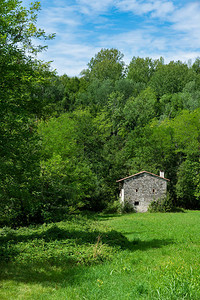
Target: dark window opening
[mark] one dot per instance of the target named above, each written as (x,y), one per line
(153,190)
(136,203)
(136,190)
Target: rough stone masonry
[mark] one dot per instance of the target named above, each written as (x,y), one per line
(140,189)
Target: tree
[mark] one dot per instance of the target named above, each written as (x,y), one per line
(196,65)
(171,145)
(66,170)
(191,94)
(170,105)
(187,134)
(72,161)
(20,71)
(140,110)
(187,186)
(107,64)
(96,95)
(171,78)
(72,88)
(140,70)
(47,96)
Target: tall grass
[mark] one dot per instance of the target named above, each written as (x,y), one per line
(134,256)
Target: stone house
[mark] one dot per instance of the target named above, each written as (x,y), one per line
(142,188)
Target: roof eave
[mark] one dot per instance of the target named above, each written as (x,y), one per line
(142,173)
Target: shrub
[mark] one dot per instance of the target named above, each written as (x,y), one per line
(161,205)
(128,208)
(113,207)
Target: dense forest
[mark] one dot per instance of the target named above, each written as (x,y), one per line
(66,140)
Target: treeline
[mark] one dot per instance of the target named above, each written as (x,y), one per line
(117,120)
(66,140)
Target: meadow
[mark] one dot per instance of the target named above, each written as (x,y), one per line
(132,256)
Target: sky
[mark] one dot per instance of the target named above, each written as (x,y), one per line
(143,28)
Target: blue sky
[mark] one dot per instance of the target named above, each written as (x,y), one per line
(143,28)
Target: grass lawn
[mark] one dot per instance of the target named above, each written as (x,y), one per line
(133,256)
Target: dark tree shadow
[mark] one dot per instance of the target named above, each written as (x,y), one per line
(46,274)
(112,238)
(137,244)
(61,270)
(101,217)
(51,274)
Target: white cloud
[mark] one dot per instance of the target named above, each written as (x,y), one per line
(184,25)
(140,43)
(187,17)
(180,55)
(187,21)
(96,6)
(154,43)
(162,9)
(157,8)
(69,58)
(165,29)
(56,19)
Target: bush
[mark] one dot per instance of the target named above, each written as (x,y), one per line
(161,205)
(113,207)
(128,208)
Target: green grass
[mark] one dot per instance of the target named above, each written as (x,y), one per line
(133,256)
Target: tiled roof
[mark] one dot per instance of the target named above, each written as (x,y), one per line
(142,173)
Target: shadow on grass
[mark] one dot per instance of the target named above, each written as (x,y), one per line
(63,269)
(48,275)
(105,217)
(9,243)
(152,244)
(112,238)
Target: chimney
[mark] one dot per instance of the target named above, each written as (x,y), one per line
(162,174)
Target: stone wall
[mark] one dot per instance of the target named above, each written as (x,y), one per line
(142,189)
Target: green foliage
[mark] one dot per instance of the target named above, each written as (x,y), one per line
(140,110)
(113,207)
(65,141)
(186,187)
(73,88)
(128,208)
(171,105)
(67,176)
(18,27)
(141,70)
(79,241)
(107,64)
(186,133)
(171,78)
(96,95)
(161,205)
(47,96)
(19,111)
(191,95)
(196,65)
